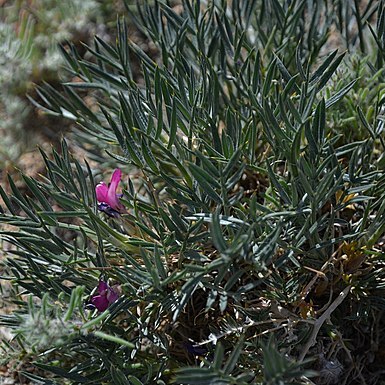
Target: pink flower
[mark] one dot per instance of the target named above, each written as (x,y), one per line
(105,297)
(108,199)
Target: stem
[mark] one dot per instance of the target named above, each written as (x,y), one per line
(321,320)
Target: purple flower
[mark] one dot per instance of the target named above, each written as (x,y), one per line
(108,199)
(195,349)
(105,296)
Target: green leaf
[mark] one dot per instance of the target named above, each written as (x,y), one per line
(234,356)
(206,182)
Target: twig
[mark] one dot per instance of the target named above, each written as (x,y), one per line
(97,268)
(321,320)
(242,328)
(319,273)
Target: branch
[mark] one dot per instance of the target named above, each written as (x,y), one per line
(320,321)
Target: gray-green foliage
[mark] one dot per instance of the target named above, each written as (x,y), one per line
(254,214)
(15,70)
(29,35)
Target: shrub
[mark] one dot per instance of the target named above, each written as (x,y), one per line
(247,244)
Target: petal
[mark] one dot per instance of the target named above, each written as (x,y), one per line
(90,306)
(115,179)
(100,302)
(102,287)
(106,208)
(112,296)
(194,349)
(101,192)
(114,203)
(112,198)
